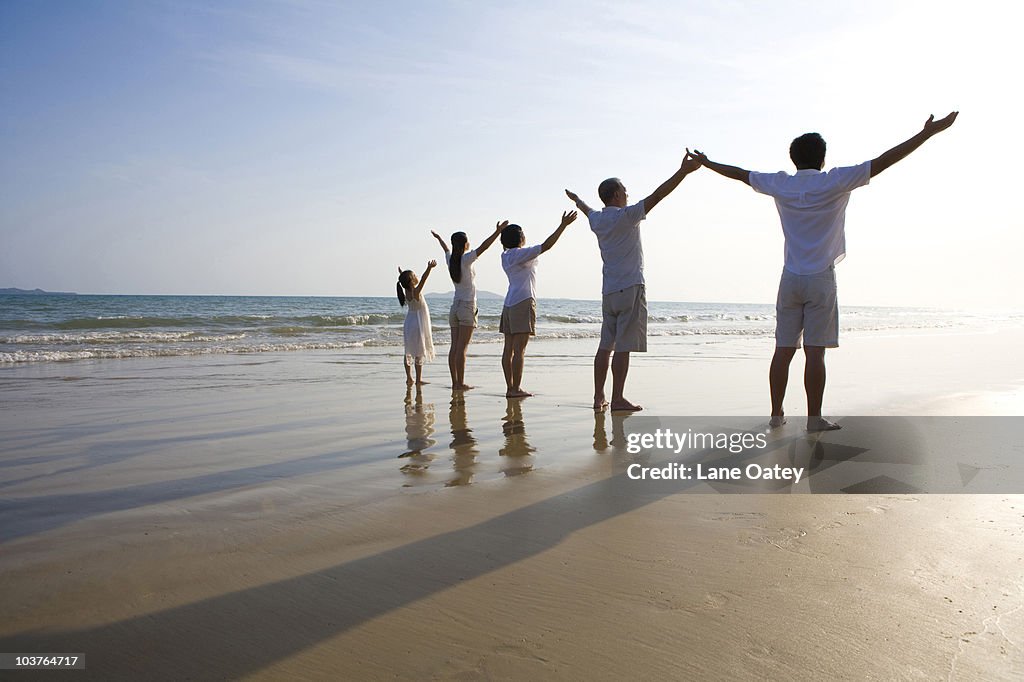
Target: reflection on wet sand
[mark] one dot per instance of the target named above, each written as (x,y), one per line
(600,436)
(620,458)
(419,429)
(517,453)
(463,445)
(618,441)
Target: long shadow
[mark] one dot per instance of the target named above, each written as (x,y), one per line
(21,517)
(104,454)
(74,430)
(232,629)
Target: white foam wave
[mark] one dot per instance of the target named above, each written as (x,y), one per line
(144,352)
(118,337)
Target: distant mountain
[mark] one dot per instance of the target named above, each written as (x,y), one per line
(35,292)
(480,294)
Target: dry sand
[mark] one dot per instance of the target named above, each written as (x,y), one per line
(250,518)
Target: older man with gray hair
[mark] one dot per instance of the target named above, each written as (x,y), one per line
(623,294)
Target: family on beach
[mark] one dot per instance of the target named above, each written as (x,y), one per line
(812,208)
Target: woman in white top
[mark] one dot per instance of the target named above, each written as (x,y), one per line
(463,314)
(519,315)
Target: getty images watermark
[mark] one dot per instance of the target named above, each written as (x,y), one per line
(733,442)
(873,455)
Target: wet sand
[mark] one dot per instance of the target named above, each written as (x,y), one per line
(300,516)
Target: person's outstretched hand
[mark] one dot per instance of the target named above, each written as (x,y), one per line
(931,126)
(572,195)
(568,217)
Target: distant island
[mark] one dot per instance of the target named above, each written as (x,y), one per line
(34,292)
(480,294)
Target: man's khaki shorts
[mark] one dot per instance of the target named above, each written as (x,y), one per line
(807,306)
(462,314)
(520,318)
(624,329)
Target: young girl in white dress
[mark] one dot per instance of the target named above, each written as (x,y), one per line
(419,342)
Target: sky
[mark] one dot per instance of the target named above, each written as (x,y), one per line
(308,148)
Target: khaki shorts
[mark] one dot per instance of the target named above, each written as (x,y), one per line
(624,329)
(520,318)
(462,314)
(807,307)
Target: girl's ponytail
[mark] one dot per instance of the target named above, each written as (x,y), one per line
(459,240)
(404,279)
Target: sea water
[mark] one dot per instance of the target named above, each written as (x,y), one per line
(41,328)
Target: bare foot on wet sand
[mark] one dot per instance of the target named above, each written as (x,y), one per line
(624,406)
(517,393)
(776,421)
(421,382)
(600,404)
(821,424)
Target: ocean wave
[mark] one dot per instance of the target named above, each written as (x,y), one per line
(57,348)
(571,319)
(117,337)
(48,355)
(121,321)
(365,319)
(135,327)
(131,322)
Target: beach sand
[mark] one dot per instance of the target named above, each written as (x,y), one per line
(303,516)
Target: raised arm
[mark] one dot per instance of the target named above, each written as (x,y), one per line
(485,244)
(734,172)
(580,204)
(426,273)
(567,218)
(902,150)
(440,241)
(690,163)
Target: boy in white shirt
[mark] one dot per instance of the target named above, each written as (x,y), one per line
(812,208)
(519,314)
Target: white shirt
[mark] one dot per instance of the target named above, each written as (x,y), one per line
(465,288)
(812,206)
(618,235)
(520,264)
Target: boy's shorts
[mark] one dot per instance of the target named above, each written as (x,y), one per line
(520,318)
(807,307)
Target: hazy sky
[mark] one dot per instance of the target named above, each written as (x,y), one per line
(307,147)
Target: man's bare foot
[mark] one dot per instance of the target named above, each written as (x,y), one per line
(408,382)
(600,404)
(821,424)
(776,421)
(625,406)
(463,387)
(517,393)
(421,382)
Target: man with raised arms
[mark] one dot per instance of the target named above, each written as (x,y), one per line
(623,298)
(812,207)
